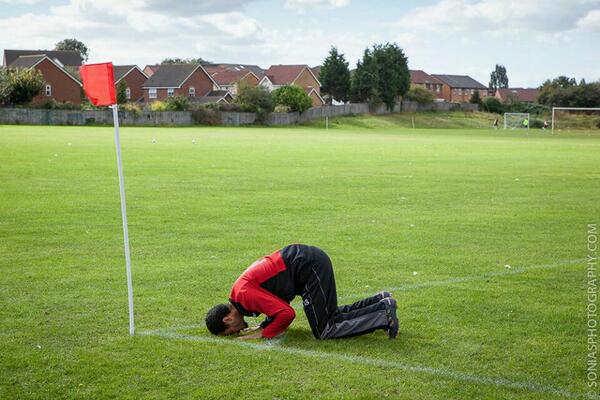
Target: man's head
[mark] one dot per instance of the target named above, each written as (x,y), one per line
(224,320)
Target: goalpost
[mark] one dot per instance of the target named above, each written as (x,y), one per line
(516,120)
(555,109)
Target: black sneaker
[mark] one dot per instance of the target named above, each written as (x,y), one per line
(394,325)
(383,295)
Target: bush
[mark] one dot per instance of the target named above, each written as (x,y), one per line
(229,107)
(256,99)
(158,106)
(492,105)
(420,95)
(294,97)
(4,85)
(206,115)
(134,108)
(177,103)
(24,85)
(56,105)
(280,108)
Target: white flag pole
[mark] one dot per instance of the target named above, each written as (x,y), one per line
(124,215)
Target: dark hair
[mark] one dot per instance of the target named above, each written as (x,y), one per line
(214,318)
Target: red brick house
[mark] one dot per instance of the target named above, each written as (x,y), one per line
(134,77)
(59,84)
(423,79)
(460,88)
(230,76)
(301,75)
(190,80)
(517,94)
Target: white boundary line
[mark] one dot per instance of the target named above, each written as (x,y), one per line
(275,345)
(470,278)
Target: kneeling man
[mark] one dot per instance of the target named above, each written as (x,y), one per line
(271,283)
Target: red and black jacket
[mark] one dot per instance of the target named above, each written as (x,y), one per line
(269,285)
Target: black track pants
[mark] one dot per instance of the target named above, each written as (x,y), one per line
(326,319)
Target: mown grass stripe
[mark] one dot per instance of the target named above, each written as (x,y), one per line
(276,345)
(469,278)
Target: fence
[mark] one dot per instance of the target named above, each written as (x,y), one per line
(28,116)
(157,118)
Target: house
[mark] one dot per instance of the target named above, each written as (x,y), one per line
(190,80)
(517,94)
(59,84)
(460,88)
(301,75)
(149,70)
(214,96)
(63,58)
(134,78)
(423,79)
(230,76)
(316,71)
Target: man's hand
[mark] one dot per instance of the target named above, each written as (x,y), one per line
(256,335)
(250,329)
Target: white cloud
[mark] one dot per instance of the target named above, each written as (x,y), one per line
(136,31)
(500,16)
(591,21)
(303,5)
(18,2)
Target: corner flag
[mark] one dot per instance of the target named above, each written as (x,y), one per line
(99,87)
(99,83)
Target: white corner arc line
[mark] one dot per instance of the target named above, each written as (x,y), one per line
(355,359)
(471,278)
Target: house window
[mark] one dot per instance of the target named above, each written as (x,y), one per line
(152,93)
(171,92)
(459,91)
(128,93)
(192,91)
(438,88)
(48,90)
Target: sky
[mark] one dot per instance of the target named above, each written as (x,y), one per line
(534,39)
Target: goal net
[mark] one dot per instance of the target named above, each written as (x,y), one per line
(516,120)
(575,119)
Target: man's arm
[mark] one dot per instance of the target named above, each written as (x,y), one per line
(278,311)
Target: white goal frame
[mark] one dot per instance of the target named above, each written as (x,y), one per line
(571,109)
(519,114)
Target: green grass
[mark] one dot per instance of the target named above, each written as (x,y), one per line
(427,120)
(382,200)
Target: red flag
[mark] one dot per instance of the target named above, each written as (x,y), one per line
(99,83)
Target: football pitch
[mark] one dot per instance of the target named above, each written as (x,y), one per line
(481,235)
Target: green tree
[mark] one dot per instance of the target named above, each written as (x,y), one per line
(256,99)
(24,85)
(565,92)
(381,75)
(294,97)
(121,92)
(498,78)
(475,98)
(363,80)
(73,45)
(335,76)
(177,60)
(391,66)
(420,95)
